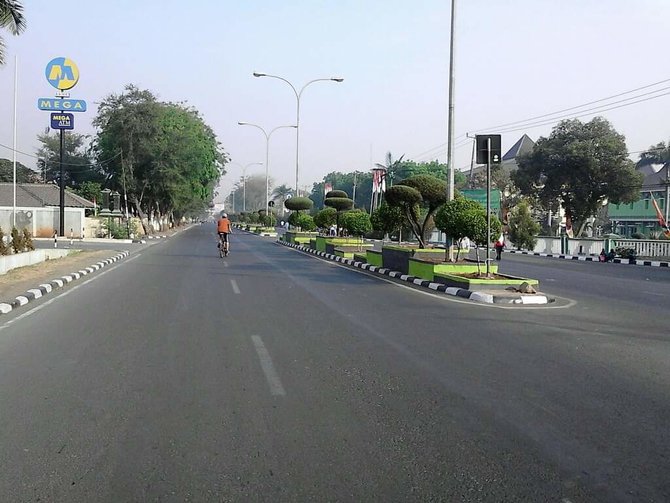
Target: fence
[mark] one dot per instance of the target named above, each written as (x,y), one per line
(41,222)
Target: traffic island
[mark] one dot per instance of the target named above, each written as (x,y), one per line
(490,297)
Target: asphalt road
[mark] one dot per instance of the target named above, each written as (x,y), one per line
(275,376)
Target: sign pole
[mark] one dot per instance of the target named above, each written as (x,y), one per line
(488,207)
(62,189)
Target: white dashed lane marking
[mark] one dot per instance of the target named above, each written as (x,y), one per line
(271,375)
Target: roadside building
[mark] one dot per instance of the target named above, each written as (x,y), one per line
(640,217)
(38,209)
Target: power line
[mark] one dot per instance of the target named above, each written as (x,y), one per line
(97,164)
(586,112)
(580,106)
(602,108)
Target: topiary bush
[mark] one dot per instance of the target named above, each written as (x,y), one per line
(299,203)
(17,240)
(336,193)
(4,250)
(325,218)
(357,223)
(302,220)
(28,240)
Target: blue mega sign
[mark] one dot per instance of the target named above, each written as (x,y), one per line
(56,104)
(60,120)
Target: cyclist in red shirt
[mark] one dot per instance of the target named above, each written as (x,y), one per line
(223,227)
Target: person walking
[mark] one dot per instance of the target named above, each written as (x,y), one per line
(499,245)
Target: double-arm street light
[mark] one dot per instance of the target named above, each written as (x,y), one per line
(244,182)
(298,94)
(267,158)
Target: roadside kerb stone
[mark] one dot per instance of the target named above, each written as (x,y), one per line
(46,288)
(478,296)
(591,258)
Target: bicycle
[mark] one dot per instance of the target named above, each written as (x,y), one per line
(223,245)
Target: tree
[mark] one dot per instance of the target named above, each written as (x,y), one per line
(421,192)
(454,219)
(523,229)
(23,173)
(162,154)
(11,19)
(356,222)
(345,182)
(90,190)
(387,219)
(656,154)
(463,217)
(338,200)
(303,221)
(579,165)
(325,218)
(78,165)
(282,192)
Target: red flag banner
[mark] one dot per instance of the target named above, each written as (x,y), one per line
(659,214)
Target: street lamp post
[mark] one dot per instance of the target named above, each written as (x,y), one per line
(267,158)
(298,94)
(244,182)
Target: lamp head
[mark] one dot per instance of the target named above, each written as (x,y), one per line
(337,79)
(256,74)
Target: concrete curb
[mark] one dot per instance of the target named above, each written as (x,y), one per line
(591,258)
(46,288)
(486,297)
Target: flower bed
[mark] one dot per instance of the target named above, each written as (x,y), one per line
(426,268)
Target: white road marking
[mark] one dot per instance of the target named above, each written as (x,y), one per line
(225,264)
(236,288)
(655,293)
(271,375)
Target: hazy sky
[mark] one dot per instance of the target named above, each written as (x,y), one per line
(515,60)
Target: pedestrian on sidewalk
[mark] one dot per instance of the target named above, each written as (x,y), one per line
(499,245)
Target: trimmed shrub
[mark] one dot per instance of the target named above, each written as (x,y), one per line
(4,250)
(325,218)
(302,220)
(17,240)
(356,223)
(336,193)
(28,240)
(299,203)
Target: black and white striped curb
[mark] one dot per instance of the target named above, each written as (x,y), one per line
(486,297)
(591,258)
(46,288)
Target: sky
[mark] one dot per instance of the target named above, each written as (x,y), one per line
(514,60)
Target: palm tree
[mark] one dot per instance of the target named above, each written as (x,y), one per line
(11,18)
(282,192)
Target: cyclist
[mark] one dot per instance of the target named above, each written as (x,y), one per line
(223,227)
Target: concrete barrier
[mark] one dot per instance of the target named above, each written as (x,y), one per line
(9,262)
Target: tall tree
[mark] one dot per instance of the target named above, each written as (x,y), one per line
(579,165)
(656,154)
(162,154)
(78,164)
(11,19)
(23,173)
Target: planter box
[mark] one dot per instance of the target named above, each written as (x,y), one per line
(312,244)
(295,237)
(359,257)
(322,242)
(344,253)
(483,284)
(427,270)
(397,258)
(373,257)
